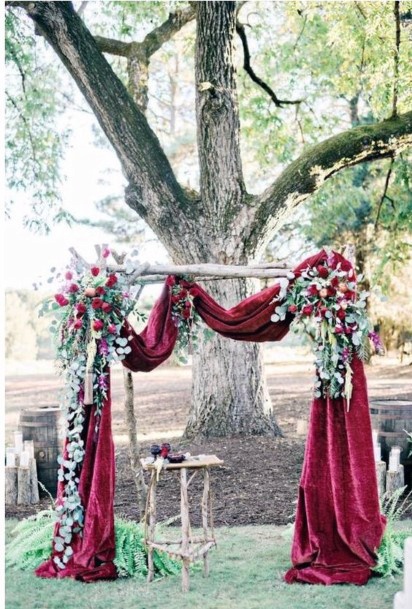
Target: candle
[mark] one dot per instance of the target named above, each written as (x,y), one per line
(11,459)
(374,436)
(377,451)
(29,447)
(18,441)
(395,458)
(24,459)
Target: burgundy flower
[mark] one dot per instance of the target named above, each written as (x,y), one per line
(61,300)
(97,303)
(348,330)
(106,307)
(175,298)
(312,290)
(292,308)
(323,310)
(323,271)
(78,324)
(186,313)
(111,329)
(338,330)
(188,304)
(170,281)
(331,291)
(81,308)
(334,282)
(307,309)
(341,314)
(183,293)
(95,271)
(98,325)
(73,288)
(100,290)
(111,281)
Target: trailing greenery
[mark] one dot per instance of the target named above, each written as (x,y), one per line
(31,545)
(390,553)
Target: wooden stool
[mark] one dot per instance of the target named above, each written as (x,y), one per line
(189,548)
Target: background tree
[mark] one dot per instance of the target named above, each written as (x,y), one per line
(222,221)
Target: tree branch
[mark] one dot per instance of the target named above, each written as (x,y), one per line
(279,103)
(318,163)
(113,46)
(396,13)
(385,191)
(157,37)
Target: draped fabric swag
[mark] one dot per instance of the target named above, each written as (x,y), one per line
(338,522)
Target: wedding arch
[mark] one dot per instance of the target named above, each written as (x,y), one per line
(338,522)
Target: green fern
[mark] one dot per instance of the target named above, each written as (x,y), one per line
(32,544)
(390,553)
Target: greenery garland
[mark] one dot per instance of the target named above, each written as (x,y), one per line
(90,309)
(32,543)
(328,309)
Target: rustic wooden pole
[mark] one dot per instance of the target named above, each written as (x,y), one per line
(10,482)
(394,480)
(152,525)
(184,514)
(381,476)
(34,484)
(131,423)
(205,519)
(23,486)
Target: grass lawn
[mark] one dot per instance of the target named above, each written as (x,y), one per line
(245,573)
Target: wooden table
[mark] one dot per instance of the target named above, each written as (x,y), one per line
(189,548)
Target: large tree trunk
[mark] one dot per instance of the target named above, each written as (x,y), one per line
(230,395)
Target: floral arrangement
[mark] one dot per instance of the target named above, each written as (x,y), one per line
(90,309)
(185,317)
(328,308)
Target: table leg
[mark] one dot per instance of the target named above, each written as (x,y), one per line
(205,503)
(152,526)
(184,514)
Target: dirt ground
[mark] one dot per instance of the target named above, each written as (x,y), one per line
(259,480)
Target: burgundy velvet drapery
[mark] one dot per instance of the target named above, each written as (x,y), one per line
(338,523)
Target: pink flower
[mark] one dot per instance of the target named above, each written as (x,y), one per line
(95,271)
(307,309)
(292,308)
(111,329)
(323,292)
(73,288)
(106,307)
(78,324)
(98,325)
(338,330)
(90,292)
(69,275)
(106,252)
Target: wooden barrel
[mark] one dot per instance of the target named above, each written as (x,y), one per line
(390,418)
(41,425)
